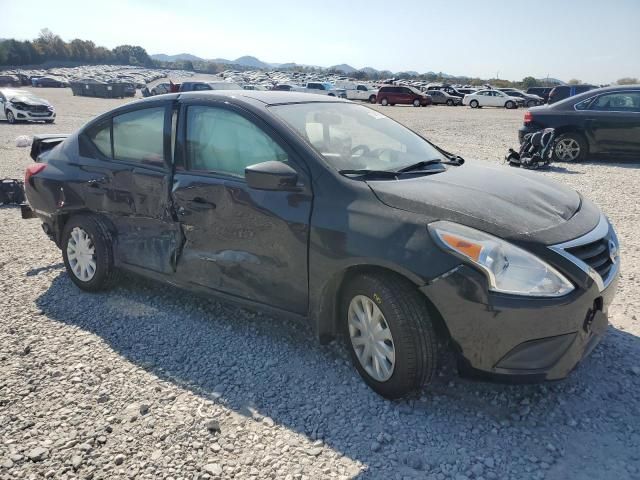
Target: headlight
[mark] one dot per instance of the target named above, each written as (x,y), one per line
(509,269)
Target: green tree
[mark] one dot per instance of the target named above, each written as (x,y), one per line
(528,82)
(574,81)
(627,81)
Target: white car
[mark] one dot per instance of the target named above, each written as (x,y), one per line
(490,98)
(22,105)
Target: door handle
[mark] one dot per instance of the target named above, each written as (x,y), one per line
(96,182)
(203,203)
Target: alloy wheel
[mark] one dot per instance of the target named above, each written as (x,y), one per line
(81,254)
(567,149)
(371,338)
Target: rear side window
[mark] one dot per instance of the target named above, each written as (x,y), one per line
(139,136)
(100,136)
(617,102)
(221,141)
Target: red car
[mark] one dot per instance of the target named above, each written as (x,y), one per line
(390,95)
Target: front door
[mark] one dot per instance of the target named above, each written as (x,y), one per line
(246,243)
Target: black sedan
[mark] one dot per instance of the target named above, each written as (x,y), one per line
(329,211)
(604,122)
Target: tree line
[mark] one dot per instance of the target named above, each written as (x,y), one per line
(50,47)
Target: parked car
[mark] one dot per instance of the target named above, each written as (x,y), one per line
(565,91)
(454,92)
(10,81)
(467,91)
(326,210)
(605,121)
(49,82)
(160,88)
(197,86)
(440,97)
(22,106)
(530,100)
(542,92)
(491,98)
(323,88)
(284,88)
(392,95)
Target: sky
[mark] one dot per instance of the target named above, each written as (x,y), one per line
(591,40)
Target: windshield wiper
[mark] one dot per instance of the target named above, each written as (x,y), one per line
(370,173)
(457,161)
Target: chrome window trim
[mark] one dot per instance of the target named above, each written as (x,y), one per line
(598,233)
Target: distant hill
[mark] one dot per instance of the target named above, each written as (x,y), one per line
(173,58)
(344,68)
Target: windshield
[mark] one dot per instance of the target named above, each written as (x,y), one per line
(354,137)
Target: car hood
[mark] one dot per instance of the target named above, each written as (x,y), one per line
(506,202)
(29,100)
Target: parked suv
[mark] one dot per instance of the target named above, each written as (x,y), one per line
(542,92)
(390,95)
(565,91)
(324,88)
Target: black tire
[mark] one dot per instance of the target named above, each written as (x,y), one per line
(372,99)
(416,103)
(105,275)
(384,102)
(10,117)
(570,138)
(510,105)
(450,102)
(474,104)
(408,318)
(49,121)
(392,104)
(531,103)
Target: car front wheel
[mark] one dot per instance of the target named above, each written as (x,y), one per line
(87,251)
(509,105)
(389,334)
(10,117)
(416,103)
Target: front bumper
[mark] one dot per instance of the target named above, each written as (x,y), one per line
(25,115)
(514,338)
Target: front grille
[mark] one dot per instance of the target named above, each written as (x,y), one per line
(37,108)
(595,254)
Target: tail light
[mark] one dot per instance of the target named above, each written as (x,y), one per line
(32,170)
(528,118)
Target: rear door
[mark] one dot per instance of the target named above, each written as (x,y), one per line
(126,167)
(613,121)
(242,242)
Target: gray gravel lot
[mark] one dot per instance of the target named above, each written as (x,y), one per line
(146,381)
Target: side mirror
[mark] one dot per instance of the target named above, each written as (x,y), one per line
(272,175)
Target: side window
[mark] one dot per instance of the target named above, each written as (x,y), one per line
(222,141)
(362,88)
(201,86)
(138,136)
(620,102)
(100,136)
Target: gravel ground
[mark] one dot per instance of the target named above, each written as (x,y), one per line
(150,382)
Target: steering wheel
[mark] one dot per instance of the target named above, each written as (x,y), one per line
(360,148)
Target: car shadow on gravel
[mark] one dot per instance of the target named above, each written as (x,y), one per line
(261,366)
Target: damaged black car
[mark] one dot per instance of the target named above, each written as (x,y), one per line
(327,210)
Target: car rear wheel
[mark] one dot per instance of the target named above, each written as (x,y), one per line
(10,117)
(569,147)
(510,105)
(87,251)
(450,102)
(416,103)
(384,102)
(474,104)
(389,334)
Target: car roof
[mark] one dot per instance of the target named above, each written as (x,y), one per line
(264,97)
